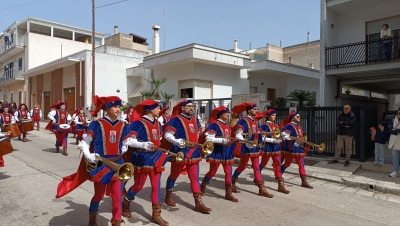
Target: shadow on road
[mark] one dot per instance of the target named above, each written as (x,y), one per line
(3,176)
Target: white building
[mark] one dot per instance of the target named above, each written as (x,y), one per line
(352,53)
(32,42)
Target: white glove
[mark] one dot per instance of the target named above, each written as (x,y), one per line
(287,138)
(91,157)
(147,145)
(180,143)
(225,141)
(296,144)
(249,146)
(277,141)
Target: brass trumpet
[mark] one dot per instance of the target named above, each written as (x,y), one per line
(254,143)
(275,134)
(207,148)
(123,172)
(320,147)
(178,156)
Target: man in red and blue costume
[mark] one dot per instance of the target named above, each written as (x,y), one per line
(184,126)
(59,116)
(21,115)
(293,149)
(145,136)
(164,116)
(7,118)
(36,114)
(272,149)
(250,126)
(81,122)
(112,147)
(219,132)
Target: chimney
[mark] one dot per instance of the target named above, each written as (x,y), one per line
(308,36)
(115,29)
(280,43)
(156,39)
(235,46)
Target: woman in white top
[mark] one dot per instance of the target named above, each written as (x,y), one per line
(386,33)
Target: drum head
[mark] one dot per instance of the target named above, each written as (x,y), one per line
(64,126)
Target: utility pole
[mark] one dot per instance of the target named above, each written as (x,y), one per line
(93,52)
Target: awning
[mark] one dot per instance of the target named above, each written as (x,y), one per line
(136,91)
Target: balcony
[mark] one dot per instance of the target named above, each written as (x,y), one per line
(370,52)
(11,47)
(11,76)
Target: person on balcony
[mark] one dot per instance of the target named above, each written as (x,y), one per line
(386,33)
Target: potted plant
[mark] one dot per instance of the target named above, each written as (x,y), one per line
(280,102)
(157,82)
(301,97)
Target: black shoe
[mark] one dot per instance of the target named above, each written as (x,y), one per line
(333,161)
(347,163)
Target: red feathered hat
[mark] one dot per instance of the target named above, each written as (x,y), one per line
(77,110)
(57,105)
(178,107)
(269,112)
(238,109)
(102,103)
(19,107)
(259,116)
(288,119)
(143,107)
(217,112)
(162,112)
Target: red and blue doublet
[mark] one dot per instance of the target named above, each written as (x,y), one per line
(166,118)
(249,125)
(6,119)
(222,154)
(269,148)
(61,118)
(22,114)
(143,160)
(294,130)
(186,128)
(81,127)
(36,114)
(107,142)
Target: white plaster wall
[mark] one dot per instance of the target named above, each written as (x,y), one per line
(301,83)
(271,82)
(44,49)
(69,78)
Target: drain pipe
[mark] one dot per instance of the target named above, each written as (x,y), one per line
(80,82)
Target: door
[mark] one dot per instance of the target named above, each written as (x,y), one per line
(69,97)
(33,100)
(46,103)
(271,95)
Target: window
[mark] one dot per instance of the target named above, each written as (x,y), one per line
(20,67)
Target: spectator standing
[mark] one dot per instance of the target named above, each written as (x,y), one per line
(386,33)
(345,134)
(394,144)
(378,135)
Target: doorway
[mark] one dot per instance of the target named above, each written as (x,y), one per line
(46,102)
(271,95)
(69,98)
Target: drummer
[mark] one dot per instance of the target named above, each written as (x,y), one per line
(36,114)
(60,116)
(2,136)
(7,118)
(22,115)
(81,123)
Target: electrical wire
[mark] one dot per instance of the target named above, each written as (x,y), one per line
(201,28)
(29,3)
(110,4)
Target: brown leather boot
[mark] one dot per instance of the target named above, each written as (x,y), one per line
(281,187)
(92,218)
(65,151)
(168,198)
(199,205)
(262,191)
(228,193)
(234,180)
(304,182)
(203,188)
(126,212)
(19,137)
(115,222)
(57,149)
(24,139)
(156,216)
(77,142)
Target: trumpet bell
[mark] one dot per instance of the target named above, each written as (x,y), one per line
(125,172)
(277,133)
(255,143)
(207,148)
(321,148)
(179,156)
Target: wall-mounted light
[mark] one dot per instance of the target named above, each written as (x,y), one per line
(332,26)
(118,90)
(262,83)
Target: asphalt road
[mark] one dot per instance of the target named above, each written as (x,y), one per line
(29,180)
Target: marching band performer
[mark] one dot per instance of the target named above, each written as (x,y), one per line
(272,149)
(184,126)
(128,116)
(294,149)
(145,136)
(59,116)
(7,118)
(36,114)
(249,125)
(21,115)
(164,116)
(2,136)
(81,123)
(105,138)
(218,132)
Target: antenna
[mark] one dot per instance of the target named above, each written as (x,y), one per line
(165,14)
(266,21)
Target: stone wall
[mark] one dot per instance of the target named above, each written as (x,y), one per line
(303,54)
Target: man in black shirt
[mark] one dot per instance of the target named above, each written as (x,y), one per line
(345,134)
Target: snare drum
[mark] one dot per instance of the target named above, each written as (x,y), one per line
(27,125)
(13,129)
(64,128)
(5,147)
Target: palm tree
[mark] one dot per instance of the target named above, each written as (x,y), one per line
(148,95)
(157,82)
(167,97)
(302,97)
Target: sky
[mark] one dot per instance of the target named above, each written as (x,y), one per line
(209,22)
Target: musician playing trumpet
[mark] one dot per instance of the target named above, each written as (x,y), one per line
(145,135)
(294,148)
(182,128)
(218,132)
(249,125)
(272,149)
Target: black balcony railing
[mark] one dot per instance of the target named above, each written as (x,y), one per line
(369,52)
(7,75)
